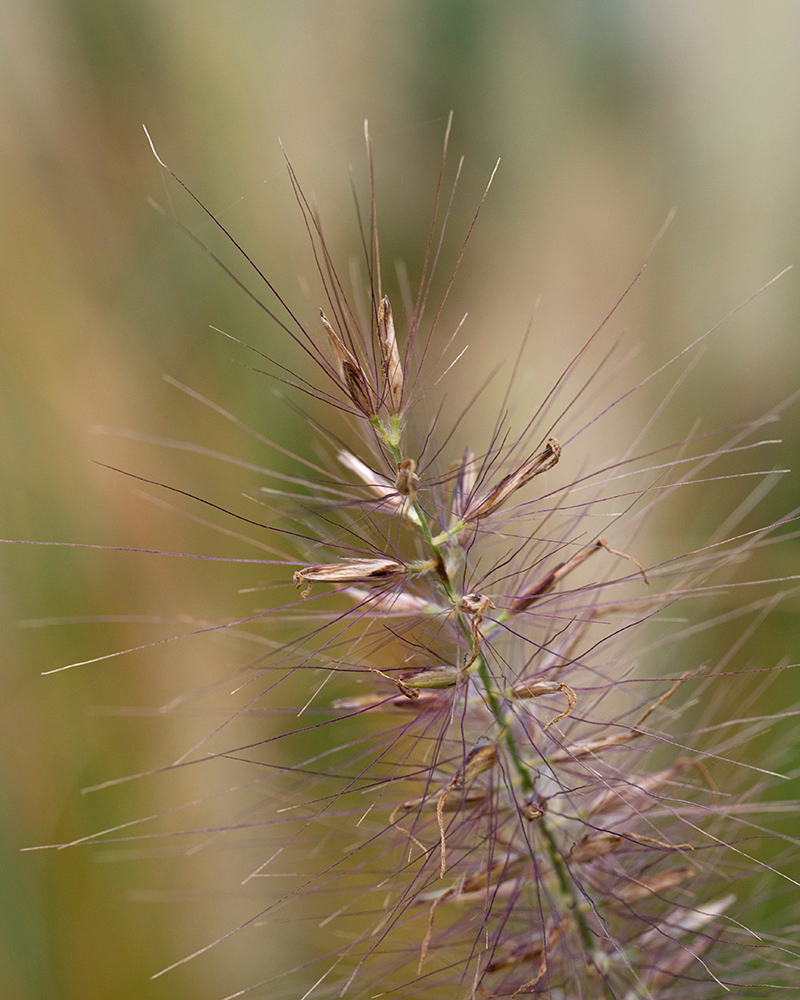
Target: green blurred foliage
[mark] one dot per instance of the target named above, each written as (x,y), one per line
(606,115)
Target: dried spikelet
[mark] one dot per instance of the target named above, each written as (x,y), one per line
(654,885)
(496,497)
(360,703)
(468,796)
(394,495)
(534,807)
(539,688)
(594,846)
(390,357)
(349,571)
(531,594)
(435,677)
(350,373)
(463,474)
(481,758)
(385,603)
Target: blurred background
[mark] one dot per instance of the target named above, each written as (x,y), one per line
(606,116)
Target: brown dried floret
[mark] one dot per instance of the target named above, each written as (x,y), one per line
(644,888)
(390,357)
(593,846)
(533,466)
(538,688)
(407,481)
(350,372)
(482,757)
(474,605)
(348,571)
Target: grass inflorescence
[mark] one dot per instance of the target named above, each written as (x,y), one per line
(510,773)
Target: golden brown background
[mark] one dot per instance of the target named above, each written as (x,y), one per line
(606,115)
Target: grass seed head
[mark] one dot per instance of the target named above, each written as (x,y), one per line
(497,787)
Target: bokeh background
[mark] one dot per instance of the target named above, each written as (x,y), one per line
(606,115)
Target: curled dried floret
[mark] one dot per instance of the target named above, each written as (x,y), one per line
(482,757)
(534,807)
(407,481)
(538,688)
(475,605)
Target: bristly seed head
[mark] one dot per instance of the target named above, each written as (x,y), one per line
(526,741)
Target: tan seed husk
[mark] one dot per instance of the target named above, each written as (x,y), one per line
(390,357)
(641,889)
(350,372)
(407,481)
(482,757)
(593,846)
(350,571)
(534,466)
(436,677)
